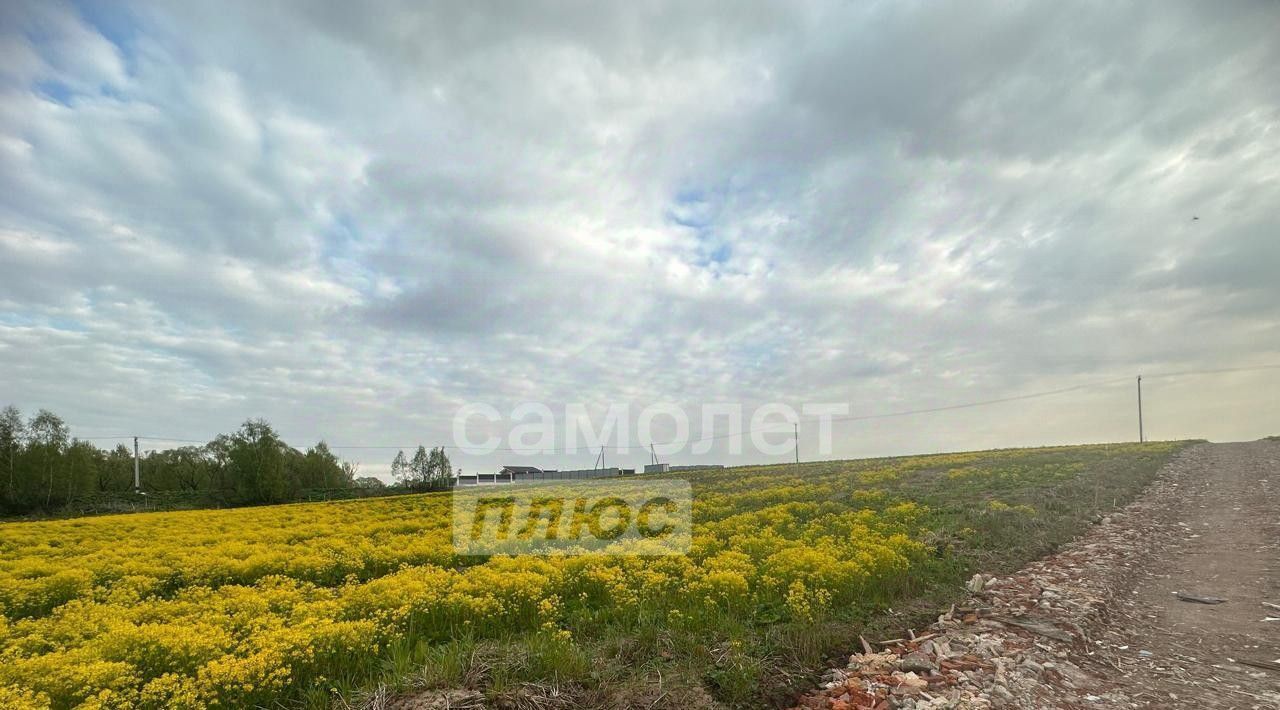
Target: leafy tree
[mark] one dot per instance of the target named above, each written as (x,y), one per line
(82,468)
(427,469)
(183,469)
(48,438)
(12,433)
(258,463)
(420,466)
(42,468)
(439,469)
(401,471)
(321,469)
(219,453)
(115,473)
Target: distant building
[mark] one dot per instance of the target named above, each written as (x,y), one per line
(520,470)
(520,474)
(515,474)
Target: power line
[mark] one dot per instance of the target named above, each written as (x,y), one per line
(999,400)
(1212,372)
(763,429)
(910,412)
(985,402)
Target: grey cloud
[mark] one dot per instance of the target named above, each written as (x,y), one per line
(353,219)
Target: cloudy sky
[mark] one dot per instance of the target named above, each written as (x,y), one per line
(353,218)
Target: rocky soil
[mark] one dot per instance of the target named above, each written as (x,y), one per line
(1118,617)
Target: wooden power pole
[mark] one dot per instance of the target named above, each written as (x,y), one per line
(1141,436)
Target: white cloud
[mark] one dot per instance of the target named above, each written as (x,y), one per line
(352,220)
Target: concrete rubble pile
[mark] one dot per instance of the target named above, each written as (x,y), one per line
(1010,649)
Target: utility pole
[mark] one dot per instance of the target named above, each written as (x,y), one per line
(137,481)
(1141,435)
(795,430)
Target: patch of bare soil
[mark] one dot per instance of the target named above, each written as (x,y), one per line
(1112,620)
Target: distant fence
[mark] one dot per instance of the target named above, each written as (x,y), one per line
(522,475)
(130,502)
(508,476)
(322,494)
(697,467)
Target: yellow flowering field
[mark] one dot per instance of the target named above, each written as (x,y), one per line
(295,605)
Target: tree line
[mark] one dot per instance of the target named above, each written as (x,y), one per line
(44,469)
(426,470)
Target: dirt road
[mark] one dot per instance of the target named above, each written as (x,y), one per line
(1100,623)
(1224,542)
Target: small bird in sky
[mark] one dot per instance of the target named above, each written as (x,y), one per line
(1194,218)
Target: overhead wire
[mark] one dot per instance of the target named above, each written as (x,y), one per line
(772,428)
